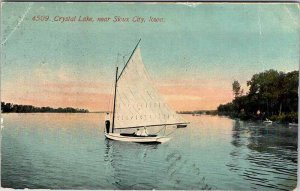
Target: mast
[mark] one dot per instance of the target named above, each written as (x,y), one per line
(116,80)
(114,109)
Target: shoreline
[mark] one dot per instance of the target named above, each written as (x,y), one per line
(245,118)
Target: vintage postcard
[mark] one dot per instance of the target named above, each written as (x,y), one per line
(149,95)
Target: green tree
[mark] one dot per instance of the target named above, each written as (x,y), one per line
(273,93)
(236,88)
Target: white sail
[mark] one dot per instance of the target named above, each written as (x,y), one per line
(137,102)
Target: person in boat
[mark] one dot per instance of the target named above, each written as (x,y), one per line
(107,122)
(138,132)
(144,132)
(141,133)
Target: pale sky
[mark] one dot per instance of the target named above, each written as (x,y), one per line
(193,56)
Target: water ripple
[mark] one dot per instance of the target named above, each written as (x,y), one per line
(57,152)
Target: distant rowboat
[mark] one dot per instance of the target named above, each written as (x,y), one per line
(293,124)
(267,121)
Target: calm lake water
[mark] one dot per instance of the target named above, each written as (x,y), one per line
(69,151)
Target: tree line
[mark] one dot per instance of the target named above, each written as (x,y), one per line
(272,95)
(16,108)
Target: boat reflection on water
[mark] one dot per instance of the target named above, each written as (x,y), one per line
(136,166)
(212,153)
(128,171)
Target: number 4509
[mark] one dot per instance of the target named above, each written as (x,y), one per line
(40,18)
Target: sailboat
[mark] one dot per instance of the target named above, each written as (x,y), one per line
(137,104)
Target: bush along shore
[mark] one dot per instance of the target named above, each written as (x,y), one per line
(272,95)
(15,108)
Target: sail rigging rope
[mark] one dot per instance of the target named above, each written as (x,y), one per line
(110,97)
(164,128)
(110,102)
(158,131)
(171,132)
